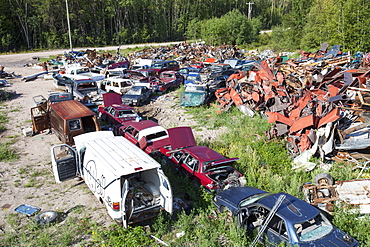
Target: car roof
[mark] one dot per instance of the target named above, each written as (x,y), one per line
(292,210)
(141,125)
(122,107)
(236,194)
(204,153)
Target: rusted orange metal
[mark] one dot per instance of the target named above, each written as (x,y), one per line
(332,116)
(302,123)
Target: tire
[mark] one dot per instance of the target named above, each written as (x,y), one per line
(323,179)
(46,217)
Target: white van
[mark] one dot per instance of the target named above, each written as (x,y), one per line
(128,181)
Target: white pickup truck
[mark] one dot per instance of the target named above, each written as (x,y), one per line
(128,181)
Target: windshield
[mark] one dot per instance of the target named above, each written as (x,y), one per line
(194,89)
(314,228)
(253,199)
(135,91)
(157,66)
(192,78)
(157,135)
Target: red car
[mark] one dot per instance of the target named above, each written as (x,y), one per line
(114,112)
(169,79)
(146,134)
(197,65)
(202,164)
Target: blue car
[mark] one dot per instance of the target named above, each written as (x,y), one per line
(295,223)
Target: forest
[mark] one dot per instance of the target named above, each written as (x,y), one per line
(28,25)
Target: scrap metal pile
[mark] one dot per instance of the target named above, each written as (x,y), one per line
(319,102)
(316,102)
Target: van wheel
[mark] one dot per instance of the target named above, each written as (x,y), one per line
(46,217)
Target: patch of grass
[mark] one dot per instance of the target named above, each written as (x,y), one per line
(7,153)
(72,231)
(33,183)
(17,109)
(17,183)
(12,137)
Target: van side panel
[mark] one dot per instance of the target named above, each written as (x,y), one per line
(104,185)
(57,124)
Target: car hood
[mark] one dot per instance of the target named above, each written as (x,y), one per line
(181,137)
(130,97)
(111,99)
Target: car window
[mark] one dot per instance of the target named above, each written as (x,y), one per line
(278,225)
(314,228)
(74,124)
(178,155)
(156,135)
(252,199)
(112,111)
(191,162)
(130,130)
(123,113)
(135,91)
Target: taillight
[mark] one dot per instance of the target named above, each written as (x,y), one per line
(115,205)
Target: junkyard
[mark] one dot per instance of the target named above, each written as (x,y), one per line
(313,107)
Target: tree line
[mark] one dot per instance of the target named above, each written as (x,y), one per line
(297,24)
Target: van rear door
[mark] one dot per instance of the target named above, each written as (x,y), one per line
(166,192)
(40,119)
(126,204)
(64,162)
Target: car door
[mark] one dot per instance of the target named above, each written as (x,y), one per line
(126,204)
(40,119)
(64,161)
(189,167)
(166,192)
(131,134)
(276,232)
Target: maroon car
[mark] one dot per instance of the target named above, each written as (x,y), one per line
(114,112)
(202,164)
(146,134)
(169,79)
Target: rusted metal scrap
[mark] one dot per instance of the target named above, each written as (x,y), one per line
(314,103)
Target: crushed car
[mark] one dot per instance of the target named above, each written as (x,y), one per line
(195,95)
(137,95)
(168,80)
(114,112)
(146,134)
(281,218)
(114,84)
(85,90)
(205,166)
